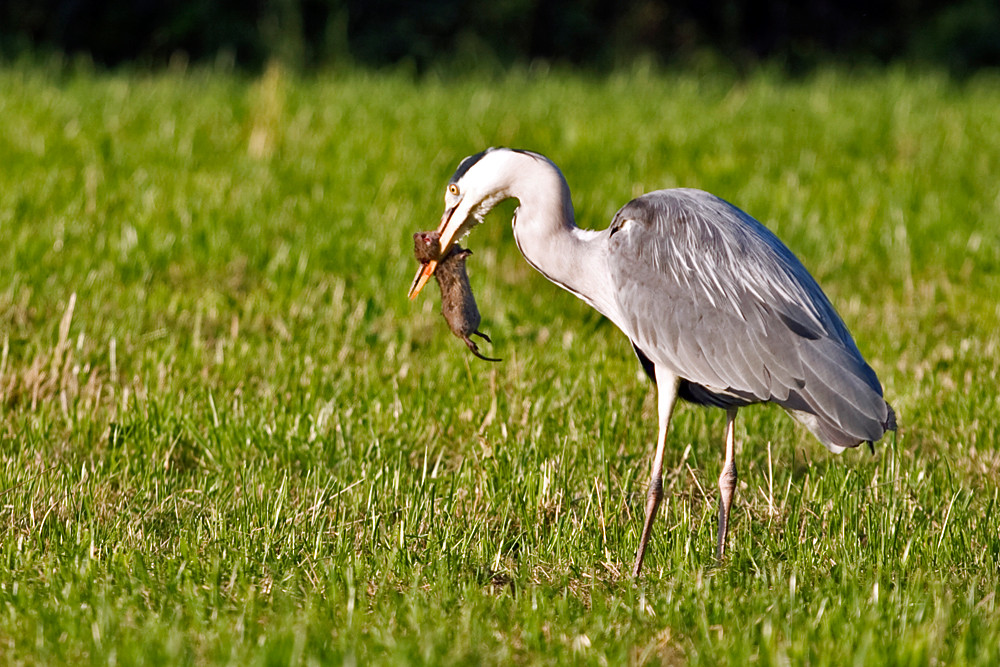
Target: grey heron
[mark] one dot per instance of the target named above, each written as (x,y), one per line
(718,310)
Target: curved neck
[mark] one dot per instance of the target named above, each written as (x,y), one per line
(547,235)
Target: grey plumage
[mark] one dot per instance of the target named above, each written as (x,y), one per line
(716,297)
(718,310)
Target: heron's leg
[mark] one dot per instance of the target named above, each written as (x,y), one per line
(666,387)
(727,483)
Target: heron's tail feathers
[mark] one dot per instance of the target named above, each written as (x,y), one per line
(838,437)
(839,396)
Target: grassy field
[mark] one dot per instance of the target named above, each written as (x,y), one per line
(227,437)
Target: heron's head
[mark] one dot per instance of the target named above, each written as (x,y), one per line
(481,182)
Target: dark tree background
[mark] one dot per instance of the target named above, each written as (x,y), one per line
(963,36)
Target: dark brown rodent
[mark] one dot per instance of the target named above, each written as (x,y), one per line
(457,303)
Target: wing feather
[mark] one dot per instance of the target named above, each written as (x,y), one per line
(709,293)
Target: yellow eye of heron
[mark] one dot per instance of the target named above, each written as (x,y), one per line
(453,189)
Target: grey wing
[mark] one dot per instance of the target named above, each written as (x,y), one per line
(705,290)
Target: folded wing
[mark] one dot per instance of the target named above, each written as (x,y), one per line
(707,291)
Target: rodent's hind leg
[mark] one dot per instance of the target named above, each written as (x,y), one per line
(475,348)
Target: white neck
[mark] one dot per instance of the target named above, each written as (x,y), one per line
(545,231)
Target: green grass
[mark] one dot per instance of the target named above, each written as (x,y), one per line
(227,437)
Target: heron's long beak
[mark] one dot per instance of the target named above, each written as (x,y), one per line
(449,230)
(424,274)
